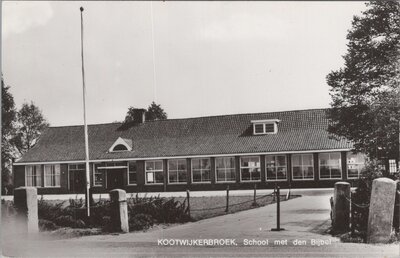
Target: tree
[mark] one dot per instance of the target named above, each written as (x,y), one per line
(153,112)
(365,92)
(30,125)
(8,115)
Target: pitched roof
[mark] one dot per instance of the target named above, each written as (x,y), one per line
(300,130)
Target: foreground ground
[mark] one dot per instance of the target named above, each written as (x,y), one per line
(304,219)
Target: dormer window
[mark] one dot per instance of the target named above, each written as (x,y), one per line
(121,144)
(269,126)
(120,147)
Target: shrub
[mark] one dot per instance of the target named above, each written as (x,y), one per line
(65,221)
(47,225)
(140,222)
(162,210)
(7,209)
(74,215)
(48,210)
(143,213)
(361,199)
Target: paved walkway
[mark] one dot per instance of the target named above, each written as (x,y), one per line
(304,219)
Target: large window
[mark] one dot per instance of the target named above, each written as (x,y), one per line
(225,169)
(201,170)
(154,172)
(276,167)
(302,166)
(177,170)
(52,175)
(132,172)
(250,168)
(330,166)
(33,175)
(355,164)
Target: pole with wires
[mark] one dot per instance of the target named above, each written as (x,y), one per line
(87,192)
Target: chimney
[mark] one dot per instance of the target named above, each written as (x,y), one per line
(139,115)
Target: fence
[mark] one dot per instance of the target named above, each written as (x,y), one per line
(72,213)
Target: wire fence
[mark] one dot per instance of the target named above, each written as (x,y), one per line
(232,205)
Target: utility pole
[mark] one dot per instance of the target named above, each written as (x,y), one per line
(87,193)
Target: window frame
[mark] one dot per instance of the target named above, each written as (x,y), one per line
(264,128)
(292,166)
(153,171)
(392,166)
(358,169)
(225,169)
(120,144)
(36,176)
(340,166)
(52,169)
(128,171)
(177,171)
(201,170)
(252,167)
(103,184)
(276,167)
(75,169)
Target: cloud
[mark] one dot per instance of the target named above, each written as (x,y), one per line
(20,16)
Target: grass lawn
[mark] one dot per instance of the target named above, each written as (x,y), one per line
(208,207)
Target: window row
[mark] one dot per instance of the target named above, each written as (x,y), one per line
(276,169)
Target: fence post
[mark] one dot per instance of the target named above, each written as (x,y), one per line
(119,210)
(26,204)
(398,210)
(255,195)
(188,200)
(227,199)
(278,211)
(341,207)
(381,209)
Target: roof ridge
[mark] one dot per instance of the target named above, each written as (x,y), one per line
(198,117)
(237,114)
(62,126)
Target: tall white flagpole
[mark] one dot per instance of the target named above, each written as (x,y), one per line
(85,125)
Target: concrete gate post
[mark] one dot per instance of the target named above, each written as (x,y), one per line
(119,210)
(341,207)
(381,210)
(26,204)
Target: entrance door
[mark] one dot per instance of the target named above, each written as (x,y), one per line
(115,178)
(77,181)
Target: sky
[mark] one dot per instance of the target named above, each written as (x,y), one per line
(193,58)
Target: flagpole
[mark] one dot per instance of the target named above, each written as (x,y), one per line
(87,193)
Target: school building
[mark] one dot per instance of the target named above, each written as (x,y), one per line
(289,149)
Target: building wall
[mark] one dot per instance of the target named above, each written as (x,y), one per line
(141,186)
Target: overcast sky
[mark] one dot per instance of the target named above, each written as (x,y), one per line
(209,58)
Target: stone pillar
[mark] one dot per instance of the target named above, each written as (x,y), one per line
(381,210)
(26,204)
(119,211)
(341,207)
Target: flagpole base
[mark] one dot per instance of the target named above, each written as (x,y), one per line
(277,229)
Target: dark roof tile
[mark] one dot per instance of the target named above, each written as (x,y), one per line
(230,134)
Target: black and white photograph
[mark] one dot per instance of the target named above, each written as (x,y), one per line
(200,129)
